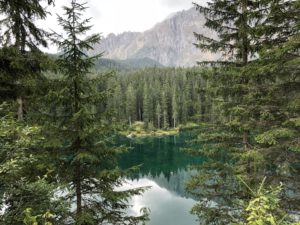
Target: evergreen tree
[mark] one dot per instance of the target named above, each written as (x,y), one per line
(245,29)
(278,97)
(174,109)
(138,92)
(85,159)
(184,108)
(158,115)
(146,106)
(25,177)
(130,104)
(119,102)
(20,56)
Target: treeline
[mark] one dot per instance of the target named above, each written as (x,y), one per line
(160,97)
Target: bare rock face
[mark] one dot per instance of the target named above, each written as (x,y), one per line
(170,42)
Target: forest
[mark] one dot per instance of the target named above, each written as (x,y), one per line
(160,97)
(60,117)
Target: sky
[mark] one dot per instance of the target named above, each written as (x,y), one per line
(117,16)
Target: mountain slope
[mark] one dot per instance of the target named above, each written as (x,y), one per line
(170,42)
(127,64)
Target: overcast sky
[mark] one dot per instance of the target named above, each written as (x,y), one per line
(117,16)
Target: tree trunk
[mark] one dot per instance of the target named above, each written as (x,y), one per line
(245,53)
(78,189)
(129,119)
(20,112)
(245,139)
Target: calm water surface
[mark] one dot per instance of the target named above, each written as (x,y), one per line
(164,168)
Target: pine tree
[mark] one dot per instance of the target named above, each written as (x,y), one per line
(118,102)
(146,106)
(85,157)
(278,97)
(184,107)
(158,115)
(130,104)
(244,29)
(174,108)
(20,56)
(164,106)
(25,177)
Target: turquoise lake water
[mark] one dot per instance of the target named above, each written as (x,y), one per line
(164,167)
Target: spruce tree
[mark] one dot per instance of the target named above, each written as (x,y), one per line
(146,106)
(131,104)
(82,136)
(21,38)
(158,115)
(245,29)
(164,106)
(174,109)
(25,177)
(276,136)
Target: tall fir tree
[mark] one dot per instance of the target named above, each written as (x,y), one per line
(85,156)
(131,104)
(174,109)
(158,115)
(27,180)
(244,29)
(146,106)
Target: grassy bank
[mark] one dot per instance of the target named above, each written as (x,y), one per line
(138,130)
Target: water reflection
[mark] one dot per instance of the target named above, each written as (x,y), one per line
(165,168)
(167,208)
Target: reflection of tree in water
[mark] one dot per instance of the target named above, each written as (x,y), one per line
(174,183)
(161,160)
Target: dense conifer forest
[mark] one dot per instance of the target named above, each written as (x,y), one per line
(160,97)
(60,117)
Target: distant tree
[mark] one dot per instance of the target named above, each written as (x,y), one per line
(184,108)
(174,109)
(146,106)
(130,104)
(158,115)
(164,106)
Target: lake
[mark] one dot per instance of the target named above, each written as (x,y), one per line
(164,167)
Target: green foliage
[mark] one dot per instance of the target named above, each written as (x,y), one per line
(19,23)
(264,206)
(126,65)
(24,174)
(33,220)
(254,91)
(80,133)
(177,92)
(270,136)
(20,58)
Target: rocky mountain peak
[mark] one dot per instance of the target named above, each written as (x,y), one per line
(169,42)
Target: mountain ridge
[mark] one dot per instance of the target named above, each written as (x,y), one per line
(169,42)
